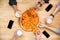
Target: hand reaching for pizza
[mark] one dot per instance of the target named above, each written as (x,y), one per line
(38,35)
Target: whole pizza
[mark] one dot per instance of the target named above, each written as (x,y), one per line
(28,19)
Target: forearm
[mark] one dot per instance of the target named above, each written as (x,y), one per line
(52,28)
(58,8)
(13,3)
(55,11)
(52,34)
(15,8)
(57,30)
(14,38)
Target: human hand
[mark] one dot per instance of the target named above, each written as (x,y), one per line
(17,34)
(38,35)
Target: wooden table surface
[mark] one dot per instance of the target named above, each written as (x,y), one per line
(7,13)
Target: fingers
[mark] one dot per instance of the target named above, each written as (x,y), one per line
(38,34)
(17,34)
(41,24)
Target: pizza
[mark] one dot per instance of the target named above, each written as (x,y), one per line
(28,19)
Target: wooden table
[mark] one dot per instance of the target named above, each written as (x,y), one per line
(7,13)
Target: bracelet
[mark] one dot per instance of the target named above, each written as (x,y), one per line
(52,15)
(40,4)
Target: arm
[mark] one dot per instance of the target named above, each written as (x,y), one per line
(57,30)
(38,5)
(36,31)
(17,34)
(58,8)
(13,3)
(55,11)
(14,37)
(53,35)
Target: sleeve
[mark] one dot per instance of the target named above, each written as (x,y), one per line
(12,2)
(58,31)
(46,1)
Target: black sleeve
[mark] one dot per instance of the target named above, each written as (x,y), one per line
(52,15)
(46,1)
(12,2)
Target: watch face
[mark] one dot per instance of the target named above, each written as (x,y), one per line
(28,18)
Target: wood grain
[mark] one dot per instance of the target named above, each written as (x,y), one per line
(7,13)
